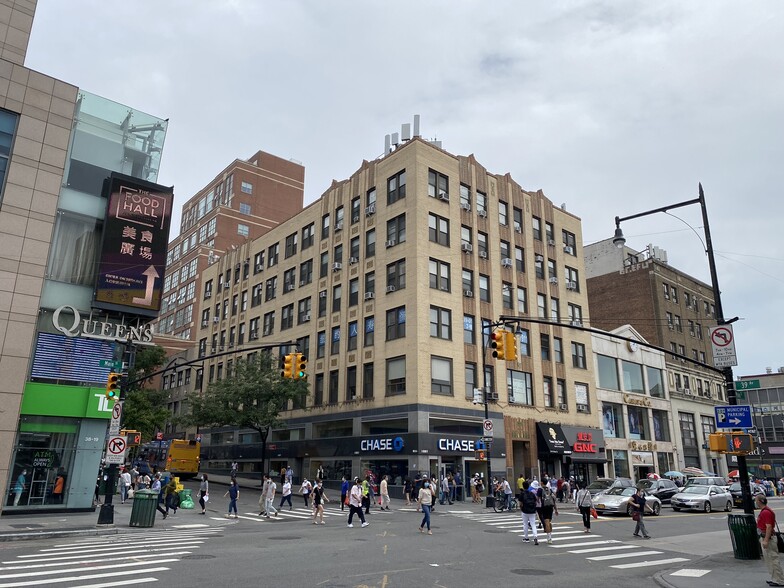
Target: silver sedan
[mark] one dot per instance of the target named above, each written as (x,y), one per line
(704,498)
(616,500)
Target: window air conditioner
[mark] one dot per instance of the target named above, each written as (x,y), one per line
(506,262)
(569,249)
(482,213)
(553,280)
(306,317)
(576,323)
(289,287)
(369,295)
(337,266)
(465,206)
(483,254)
(216,320)
(204,323)
(323,294)
(253,336)
(339,226)
(391,289)
(353,260)
(227,284)
(468,293)
(571,285)
(582,408)
(303,283)
(467,247)
(563,406)
(370,210)
(538,257)
(391,243)
(208,294)
(551,242)
(518,228)
(443,196)
(355,218)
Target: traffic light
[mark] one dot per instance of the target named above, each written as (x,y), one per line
(300,365)
(480,455)
(717,442)
(498,342)
(510,346)
(113,386)
(132,438)
(741,443)
(288,366)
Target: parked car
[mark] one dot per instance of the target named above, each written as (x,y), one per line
(701,497)
(616,500)
(737,498)
(662,489)
(707,481)
(601,485)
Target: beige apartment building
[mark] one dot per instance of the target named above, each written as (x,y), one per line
(387,284)
(673,311)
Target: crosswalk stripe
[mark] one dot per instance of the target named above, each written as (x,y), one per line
(131,540)
(603,542)
(42,557)
(643,564)
(41,581)
(112,565)
(623,555)
(30,565)
(597,549)
(65,550)
(128,582)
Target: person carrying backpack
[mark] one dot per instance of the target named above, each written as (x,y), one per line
(549,507)
(528,508)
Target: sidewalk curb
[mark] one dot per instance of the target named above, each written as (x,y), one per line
(658,577)
(32,535)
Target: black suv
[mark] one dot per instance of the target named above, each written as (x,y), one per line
(662,489)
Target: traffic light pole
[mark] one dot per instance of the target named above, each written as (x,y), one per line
(485,392)
(110,474)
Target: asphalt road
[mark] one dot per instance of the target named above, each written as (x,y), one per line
(470,547)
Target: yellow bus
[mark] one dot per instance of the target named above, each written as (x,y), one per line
(179,457)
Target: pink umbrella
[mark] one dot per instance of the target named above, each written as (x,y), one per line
(653,476)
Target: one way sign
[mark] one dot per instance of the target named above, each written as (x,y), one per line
(733,417)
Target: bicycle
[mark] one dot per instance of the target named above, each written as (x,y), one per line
(499,503)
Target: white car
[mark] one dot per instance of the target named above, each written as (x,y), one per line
(704,498)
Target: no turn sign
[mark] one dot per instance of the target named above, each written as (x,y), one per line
(115,449)
(487,427)
(723,345)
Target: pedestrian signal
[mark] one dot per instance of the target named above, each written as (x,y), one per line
(288,367)
(300,365)
(497,342)
(480,455)
(113,386)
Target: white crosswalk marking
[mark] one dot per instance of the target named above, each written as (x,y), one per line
(623,555)
(596,549)
(83,560)
(644,564)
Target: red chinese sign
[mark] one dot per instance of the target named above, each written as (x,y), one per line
(584,443)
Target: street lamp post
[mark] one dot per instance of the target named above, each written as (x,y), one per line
(619,240)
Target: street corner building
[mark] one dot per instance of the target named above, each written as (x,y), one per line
(65,154)
(434,249)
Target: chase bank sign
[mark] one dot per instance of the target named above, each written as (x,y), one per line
(383,444)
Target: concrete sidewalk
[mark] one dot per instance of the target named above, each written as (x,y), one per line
(712,571)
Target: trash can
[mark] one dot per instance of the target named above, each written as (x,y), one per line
(186,500)
(144,508)
(743,532)
(489,501)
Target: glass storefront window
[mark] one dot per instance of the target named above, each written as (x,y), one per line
(638,423)
(333,469)
(42,462)
(612,420)
(655,382)
(396,469)
(632,377)
(385,427)
(664,461)
(620,462)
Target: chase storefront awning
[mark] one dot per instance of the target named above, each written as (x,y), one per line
(552,439)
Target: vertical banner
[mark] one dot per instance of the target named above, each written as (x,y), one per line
(135,240)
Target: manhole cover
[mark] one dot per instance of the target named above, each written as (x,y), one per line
(26,526)
(198,557)
(529,572)
(494,531)
(285,538)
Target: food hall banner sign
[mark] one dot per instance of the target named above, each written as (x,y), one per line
(135,238)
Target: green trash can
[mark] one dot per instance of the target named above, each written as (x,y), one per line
(186,500)
(743,532)
(144,508)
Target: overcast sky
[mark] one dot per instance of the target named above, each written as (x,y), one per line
(609,107)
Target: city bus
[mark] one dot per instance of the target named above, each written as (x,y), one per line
(179,457)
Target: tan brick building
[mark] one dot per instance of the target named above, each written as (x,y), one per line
(385,284)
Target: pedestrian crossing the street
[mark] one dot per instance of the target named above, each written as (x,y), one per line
(301,513)
(127,559)
(570,537)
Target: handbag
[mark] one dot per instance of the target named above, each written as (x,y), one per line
(130,493)
(635,516)
(594,514)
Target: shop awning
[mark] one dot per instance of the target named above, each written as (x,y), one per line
(554,438)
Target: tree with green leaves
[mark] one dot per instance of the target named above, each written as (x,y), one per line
(252,396)
(145,409)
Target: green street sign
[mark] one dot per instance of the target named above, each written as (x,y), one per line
(115,365)
(747,384)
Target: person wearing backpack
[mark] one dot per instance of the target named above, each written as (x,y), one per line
(528,508)
(548,508)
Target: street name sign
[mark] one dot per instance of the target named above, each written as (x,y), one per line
(733,417)
(747,384)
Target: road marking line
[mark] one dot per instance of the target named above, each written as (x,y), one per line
(130,581)
(603,542)
(690,573)
(87,561)
(78,555)
(65,550)
(76,570)
(597,549)
(623,555)
(40,581)
(642,564)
